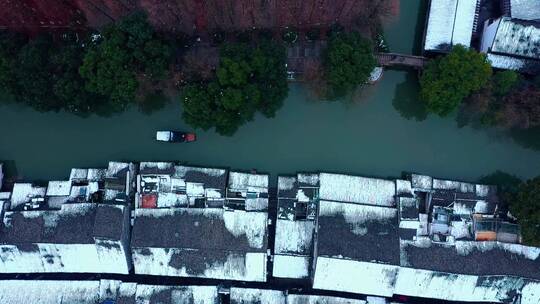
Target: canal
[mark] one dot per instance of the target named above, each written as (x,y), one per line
(380,133)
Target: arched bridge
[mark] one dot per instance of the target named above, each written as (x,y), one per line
(394,59)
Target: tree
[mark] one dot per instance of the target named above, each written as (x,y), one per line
(448,80)
(10,45)
(504,82)
(348,63)
(526,207)
(123,51)
(248,79)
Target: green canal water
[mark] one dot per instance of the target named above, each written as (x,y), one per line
(378,135)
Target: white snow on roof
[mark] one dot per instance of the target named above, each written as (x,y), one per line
(289,266)
(482,190)
(23,192)
(180,171)
(422,181)
(259,296)
(309,299)
(525,9)
(463,24)
(96,175)
(469,288)
(5,195)
(354,277)
(115,167)
(440,24)
(356,189)
(517,38)
(530,293)
(311,179)
(156,165)
(65,258)
(78,174)
(286,182)
(49,292)
(294,236)
(179,294)
(251,224)
(357,216)
(59,188)
(507,62)
(450,23)
(441,184)
(238,266)
(466,247)
(243,181)
(403,187)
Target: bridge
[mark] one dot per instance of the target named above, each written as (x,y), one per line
(394,59)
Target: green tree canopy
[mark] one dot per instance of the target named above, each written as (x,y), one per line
(348,63)
(122,52)
(526,207)
(248,79)
(447,80)
(504,81)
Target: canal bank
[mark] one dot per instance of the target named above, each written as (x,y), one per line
(368,136)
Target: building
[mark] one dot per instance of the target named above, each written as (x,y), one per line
(419,236)
(295,225)
(247,191)
(522,9)
(164,185)
(449,23)
(355,211)
(268,296)
(55,228)
(103,292)
(450,242)
(512,44)
(185,229)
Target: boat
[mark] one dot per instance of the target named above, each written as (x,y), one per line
(175,136)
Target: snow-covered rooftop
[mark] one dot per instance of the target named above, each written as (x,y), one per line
(200,242)
(58,240)
(309,299)
(357,189)
(479,258)
(512,63)
(254,182)
(525,9)
(294,237)
(257,296)
(450,22)
(355,277)
(49,292)
(58,188)
(466,288)
(24,192)
(291,266)
(345,229)
(517,38)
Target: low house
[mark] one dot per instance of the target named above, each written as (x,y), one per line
(450,242)
(295,225)
(63,228)
(119,182)
(512,44)
(353,212)
(450,22)
(78,238)
(103,292)
(187,230)
(164,185)
(522,9)
(247,191)
(268,296)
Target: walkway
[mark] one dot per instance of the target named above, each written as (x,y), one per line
(393,59)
